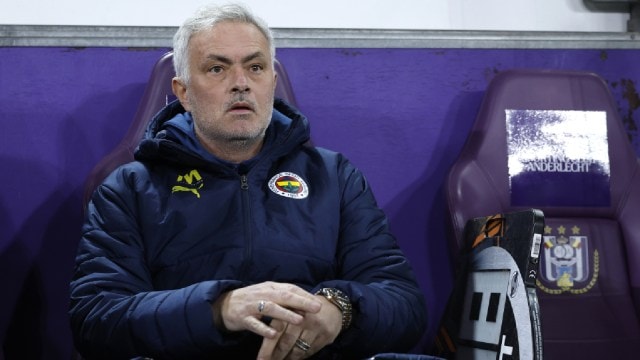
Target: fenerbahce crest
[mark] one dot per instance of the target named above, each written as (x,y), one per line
(567,265)
(289,185)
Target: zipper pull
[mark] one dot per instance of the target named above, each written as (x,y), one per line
(244,184)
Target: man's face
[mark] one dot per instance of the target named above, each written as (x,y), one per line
(231,87)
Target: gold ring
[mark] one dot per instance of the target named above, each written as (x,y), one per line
(302,345)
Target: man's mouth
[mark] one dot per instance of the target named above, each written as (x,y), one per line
(241,107)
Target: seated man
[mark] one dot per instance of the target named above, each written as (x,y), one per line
(230,236)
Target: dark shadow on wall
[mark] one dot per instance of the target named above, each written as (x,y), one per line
(21,303)
(422,211)
(36,265)
(38,327)
(25,331)
(14,272)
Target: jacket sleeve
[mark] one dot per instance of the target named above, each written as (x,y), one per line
(389,307)
(114,311)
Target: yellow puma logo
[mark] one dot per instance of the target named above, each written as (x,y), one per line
(191,181)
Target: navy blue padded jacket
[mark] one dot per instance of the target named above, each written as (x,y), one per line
(165,235)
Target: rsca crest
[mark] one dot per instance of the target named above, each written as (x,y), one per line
(568,264)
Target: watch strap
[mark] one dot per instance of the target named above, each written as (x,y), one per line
(341,301)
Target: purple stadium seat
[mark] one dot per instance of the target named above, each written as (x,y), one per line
(157,94)
(553,140)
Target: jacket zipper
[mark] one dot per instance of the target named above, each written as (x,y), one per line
(246,213)
(244,184)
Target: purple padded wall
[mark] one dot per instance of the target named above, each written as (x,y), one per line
(401,115)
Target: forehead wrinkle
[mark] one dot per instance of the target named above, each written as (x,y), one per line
(227,60)
(219,58)
(255,55)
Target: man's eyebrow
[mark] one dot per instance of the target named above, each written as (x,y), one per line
(226,60)
(220,58)
(255,55)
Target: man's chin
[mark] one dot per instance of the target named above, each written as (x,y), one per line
(244,139)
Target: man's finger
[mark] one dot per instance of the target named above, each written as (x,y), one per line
(256,326)
(275,311)
(296,298)
(269,344)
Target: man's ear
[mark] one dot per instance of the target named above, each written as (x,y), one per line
(180,90)
(275,80)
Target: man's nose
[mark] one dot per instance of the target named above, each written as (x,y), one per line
(240,81)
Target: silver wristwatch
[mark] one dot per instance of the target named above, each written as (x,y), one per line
(341,300)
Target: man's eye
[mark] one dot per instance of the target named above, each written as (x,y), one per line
(256,68)
(216,69)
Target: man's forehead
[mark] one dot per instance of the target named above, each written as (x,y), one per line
(229,33)
(230,40)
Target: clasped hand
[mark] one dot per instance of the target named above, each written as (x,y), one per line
(301,325)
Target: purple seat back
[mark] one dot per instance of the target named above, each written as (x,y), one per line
(157,94)
(553,140)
